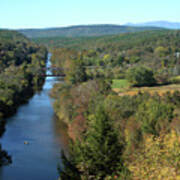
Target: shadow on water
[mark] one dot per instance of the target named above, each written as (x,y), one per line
(34,123)
(63,137)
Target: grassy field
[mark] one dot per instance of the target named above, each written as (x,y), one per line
(122,87)
(152,90)
(120,84)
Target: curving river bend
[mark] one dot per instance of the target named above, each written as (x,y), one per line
(35,123)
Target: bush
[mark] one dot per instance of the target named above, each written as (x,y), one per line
(158,158)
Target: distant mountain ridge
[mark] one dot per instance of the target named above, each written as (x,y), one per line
(160,24)
(83,31)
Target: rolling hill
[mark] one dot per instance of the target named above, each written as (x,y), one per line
(123,40)
(162,24)
(82,31)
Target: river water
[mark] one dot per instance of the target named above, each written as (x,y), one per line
(34,122)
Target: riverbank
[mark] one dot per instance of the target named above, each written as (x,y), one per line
(19,85)
(35,123)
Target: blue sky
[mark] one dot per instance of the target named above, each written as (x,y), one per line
(58,13)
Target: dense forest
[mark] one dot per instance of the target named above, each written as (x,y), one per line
(19,60)
(159,50)
(117,135)
(82,31)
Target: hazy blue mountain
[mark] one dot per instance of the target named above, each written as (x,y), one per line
(80,31)
(162,24)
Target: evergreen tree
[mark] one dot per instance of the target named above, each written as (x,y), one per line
(99,153)
(70,172)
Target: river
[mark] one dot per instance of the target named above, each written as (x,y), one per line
(34,122)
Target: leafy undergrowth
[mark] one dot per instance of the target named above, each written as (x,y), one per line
(158,158)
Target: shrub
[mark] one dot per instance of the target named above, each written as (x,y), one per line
(159,158)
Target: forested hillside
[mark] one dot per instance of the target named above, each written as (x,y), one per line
(83,31)
(118,135)
(19,57)
(159,50)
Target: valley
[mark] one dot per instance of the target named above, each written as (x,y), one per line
(115,108)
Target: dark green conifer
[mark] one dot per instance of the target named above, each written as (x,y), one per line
(99,153)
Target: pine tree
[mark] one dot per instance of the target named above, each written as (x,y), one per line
(69,172)
(99,154)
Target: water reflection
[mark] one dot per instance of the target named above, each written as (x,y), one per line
(63,137)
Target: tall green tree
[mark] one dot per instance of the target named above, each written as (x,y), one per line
(141,76)
(99,154)
(75,71)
